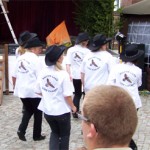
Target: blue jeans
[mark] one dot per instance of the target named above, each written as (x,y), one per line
(60,127)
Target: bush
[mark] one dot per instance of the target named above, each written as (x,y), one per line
(95,16)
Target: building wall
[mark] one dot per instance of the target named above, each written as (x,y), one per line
(125,3)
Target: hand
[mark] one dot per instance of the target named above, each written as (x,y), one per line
(71,78)
(82,148)
(74,109)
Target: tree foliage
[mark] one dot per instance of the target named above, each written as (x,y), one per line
(95,16)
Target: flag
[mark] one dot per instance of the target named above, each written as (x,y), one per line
(59,36)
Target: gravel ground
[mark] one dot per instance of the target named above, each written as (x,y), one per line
(10,116)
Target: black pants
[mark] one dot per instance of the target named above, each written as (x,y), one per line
(30,108)
(77,93)
(132,143)
(60,131)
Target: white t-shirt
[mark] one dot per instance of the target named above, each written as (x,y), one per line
(54,86)
(75,56)
(26,72)
(96,67)
(129,77)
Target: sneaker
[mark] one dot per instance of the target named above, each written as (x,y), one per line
(21,136)
(42,137)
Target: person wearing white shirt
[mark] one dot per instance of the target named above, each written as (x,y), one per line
(24,37)
(24,79)
(75,56)
(128,76)
(97,63)
(56,88)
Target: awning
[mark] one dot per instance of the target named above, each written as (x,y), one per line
(140,8)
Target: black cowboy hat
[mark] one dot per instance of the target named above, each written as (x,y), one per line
(52,54)
(98,41)
(63,47)
(84,36)
(25,36)
(131,53)
(35,42)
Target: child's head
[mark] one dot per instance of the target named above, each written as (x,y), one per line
(131,53)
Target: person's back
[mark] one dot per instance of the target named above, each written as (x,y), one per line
(27,69)
(109,118)
(24,79)
(127,74)
(97,64)
(75,56)
(95,67)
(55,87)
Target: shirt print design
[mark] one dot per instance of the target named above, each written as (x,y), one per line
(127,78)
(23,66)
(50,83)
(94,63)
(78,56)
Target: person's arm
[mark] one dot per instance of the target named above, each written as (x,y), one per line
(139,83)
(38,93)
(112,77)
(14,81)
(68,66)
(82,78)
(70,103)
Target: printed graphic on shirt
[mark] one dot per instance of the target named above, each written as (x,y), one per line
(94,63)
(50,83)
(127,78)
(22,67)
(78,56)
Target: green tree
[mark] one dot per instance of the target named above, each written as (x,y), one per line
(95,16)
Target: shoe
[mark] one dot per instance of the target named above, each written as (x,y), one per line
(42,137)
(21,136)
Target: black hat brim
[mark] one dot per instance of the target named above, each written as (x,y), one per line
(36,45)
(125,58)
(48,62)
(79,41)
(92,47)
(22,43)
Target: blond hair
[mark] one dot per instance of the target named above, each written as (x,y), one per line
(21,50)
(111,109)
(58,66)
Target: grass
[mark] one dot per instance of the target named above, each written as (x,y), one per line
(144,93)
